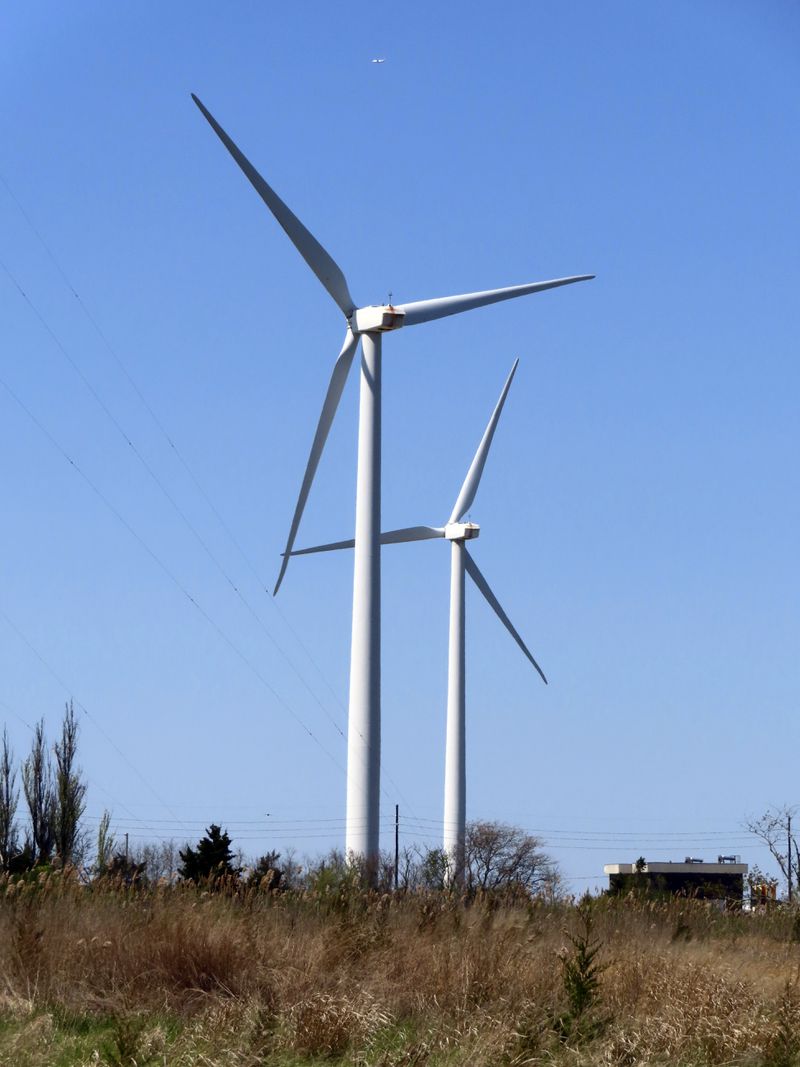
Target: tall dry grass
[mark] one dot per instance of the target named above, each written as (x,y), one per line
(244,977)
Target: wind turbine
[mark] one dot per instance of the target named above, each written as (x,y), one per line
(366,324)
(457,533)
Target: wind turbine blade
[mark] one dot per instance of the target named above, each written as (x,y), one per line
(475,472)
(483,585)
(332,547)
(332,398)
(411,533)
(391,537)
(322,264)
(426,310)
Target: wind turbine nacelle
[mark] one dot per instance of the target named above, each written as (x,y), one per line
(376,319)
(461,531)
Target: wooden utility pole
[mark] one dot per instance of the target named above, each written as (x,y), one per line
(789,854)
(396,846)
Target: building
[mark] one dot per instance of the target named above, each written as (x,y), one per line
(723,880)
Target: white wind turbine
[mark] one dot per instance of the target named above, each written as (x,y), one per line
(457,533)
(366,324)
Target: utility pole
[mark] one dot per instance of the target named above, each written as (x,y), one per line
(396,847)
(126,852)
(789,854)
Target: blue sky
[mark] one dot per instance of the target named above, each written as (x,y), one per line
(639,511)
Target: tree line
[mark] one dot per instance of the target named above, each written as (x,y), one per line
(498,858)
(43,801)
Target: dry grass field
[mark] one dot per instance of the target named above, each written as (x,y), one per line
(180,976)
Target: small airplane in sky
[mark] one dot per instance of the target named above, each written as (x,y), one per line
(377,61)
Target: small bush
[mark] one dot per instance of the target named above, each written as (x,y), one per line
(580,975)
(126,1046)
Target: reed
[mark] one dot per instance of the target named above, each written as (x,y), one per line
(103,973)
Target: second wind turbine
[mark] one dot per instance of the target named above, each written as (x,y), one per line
(457,532)
(367,324)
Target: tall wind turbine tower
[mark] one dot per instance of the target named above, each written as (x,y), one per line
(366,324)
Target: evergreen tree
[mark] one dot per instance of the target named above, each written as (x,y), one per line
(213,857)
(266,873)
(121,868)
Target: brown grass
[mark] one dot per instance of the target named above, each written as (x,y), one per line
(251,978)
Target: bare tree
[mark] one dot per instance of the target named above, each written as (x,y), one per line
(499,856)
(408,867)
(332,869)
(292,868)
(37,785)
(70,791)
(9,797)
(773,829)
(159,861)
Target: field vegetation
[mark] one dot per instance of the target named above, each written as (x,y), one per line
(191,957)
(236,974)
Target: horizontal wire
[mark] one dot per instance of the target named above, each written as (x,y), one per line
(605,841)
(437,823)
(614,833)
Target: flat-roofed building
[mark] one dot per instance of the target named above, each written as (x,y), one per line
(723,880)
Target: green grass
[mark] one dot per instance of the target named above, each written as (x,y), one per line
(57,1039)
(40,1040)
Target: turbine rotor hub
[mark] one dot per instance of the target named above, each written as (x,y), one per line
(461,531)
(376,319)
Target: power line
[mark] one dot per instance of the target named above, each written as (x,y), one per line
(693,834)
(16,715)
(159,483)
(94,784)
(288,830)
(170,441)
(51,670)
(163,566)
(164,432)
(599,839)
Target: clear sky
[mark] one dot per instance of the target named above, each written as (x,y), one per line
(639,512)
